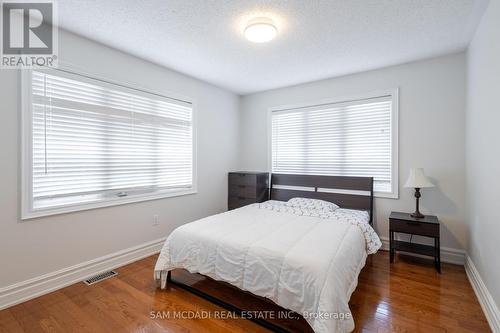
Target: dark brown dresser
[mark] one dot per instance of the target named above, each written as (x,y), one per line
(246,188)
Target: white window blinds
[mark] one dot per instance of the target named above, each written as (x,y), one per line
(97,141)
(341,139)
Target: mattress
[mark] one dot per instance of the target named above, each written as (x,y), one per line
(303,260)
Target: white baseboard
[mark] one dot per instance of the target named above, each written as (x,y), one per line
(489,306)
(448,255)
(26,290)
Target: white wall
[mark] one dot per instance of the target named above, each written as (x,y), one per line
(482,148)
(431,117)
(34,247)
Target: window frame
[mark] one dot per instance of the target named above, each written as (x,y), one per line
(394,93)
(27,211)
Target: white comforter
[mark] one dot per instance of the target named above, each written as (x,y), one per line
(308,264)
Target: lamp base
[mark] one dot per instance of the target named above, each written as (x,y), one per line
(417,215)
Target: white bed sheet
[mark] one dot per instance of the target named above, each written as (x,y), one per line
(303,263)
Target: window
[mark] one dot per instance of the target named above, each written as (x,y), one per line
(91,143)
(352,138)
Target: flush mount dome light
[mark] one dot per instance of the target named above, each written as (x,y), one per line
(260,30)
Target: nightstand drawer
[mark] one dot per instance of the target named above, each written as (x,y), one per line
(239,201)
(242,179)
(415,228)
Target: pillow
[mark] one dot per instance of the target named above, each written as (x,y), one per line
(312,204)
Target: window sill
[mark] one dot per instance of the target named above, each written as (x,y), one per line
(386,195)
(70,208)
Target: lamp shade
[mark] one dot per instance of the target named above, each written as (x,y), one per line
(417,179)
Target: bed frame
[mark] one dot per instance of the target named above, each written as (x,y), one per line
(346,192)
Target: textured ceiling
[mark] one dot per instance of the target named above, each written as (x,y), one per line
(317,38)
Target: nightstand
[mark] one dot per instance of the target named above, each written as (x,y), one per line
(246,188)
(427,226)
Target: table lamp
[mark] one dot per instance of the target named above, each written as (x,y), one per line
(418,180)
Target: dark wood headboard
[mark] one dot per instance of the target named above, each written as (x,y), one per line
(346,192)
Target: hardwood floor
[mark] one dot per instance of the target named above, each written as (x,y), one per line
(408,296)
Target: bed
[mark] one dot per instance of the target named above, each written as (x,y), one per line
(303,258)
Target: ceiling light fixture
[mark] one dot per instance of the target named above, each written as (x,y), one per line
(260,30)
